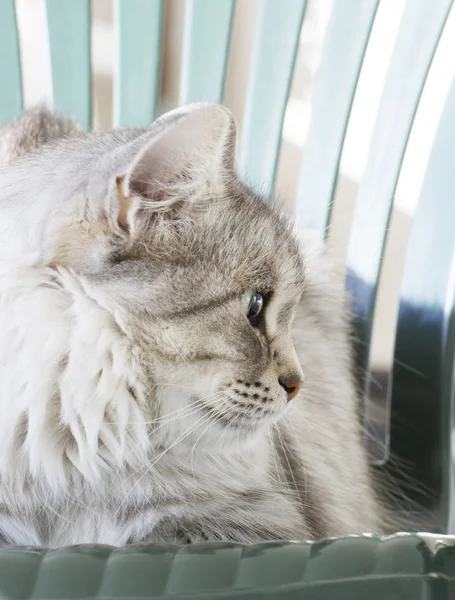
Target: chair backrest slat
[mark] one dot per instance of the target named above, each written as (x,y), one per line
(423,373)
(10,66)
(271,68)
(137,61)
(343,51)
(69,41)
(206,39)
(418,36)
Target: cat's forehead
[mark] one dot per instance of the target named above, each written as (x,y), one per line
(252,244)
(238,242)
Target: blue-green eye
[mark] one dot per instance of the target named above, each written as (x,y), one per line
(253,303)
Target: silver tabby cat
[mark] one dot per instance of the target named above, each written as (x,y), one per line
(157,319)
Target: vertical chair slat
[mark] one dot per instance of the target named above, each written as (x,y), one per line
(10,66)
(423,373)
(68,23)
(206,39)
(137,61)
(344,48)
(272,63)
(417,39)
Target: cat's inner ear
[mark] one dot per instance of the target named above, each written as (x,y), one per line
(125,206)
(191,155)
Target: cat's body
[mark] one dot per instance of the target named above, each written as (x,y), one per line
(138,401)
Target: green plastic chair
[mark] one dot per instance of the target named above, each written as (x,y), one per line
(397,568)
(421,384)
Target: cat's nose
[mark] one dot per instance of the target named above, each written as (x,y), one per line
(291,387)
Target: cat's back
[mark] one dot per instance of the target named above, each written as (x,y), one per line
(34,129)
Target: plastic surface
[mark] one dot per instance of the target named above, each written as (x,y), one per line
(418,36)
(10,69)
(68,23)
(403,567)
(423,374)
(137,61)
(272,63)
(412,431)
(343,52)
(206,40)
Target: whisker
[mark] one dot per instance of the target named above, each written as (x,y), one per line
(159,457)
(284,448)
(213,419)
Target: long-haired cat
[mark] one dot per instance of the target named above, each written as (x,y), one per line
(174,365)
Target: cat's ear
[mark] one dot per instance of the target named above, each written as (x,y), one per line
(189,157)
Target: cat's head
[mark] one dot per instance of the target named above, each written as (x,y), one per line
(202,276)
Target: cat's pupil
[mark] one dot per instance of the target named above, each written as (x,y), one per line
(255,306)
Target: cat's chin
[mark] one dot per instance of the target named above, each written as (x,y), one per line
(230,439)
(227,427)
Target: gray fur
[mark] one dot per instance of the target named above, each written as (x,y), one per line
(171,279)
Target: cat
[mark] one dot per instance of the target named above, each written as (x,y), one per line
(175,364)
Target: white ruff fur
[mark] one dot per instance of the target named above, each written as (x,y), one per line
(66,370)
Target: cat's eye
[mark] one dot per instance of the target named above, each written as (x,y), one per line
(253,303)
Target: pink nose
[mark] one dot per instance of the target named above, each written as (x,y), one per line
(292,388)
